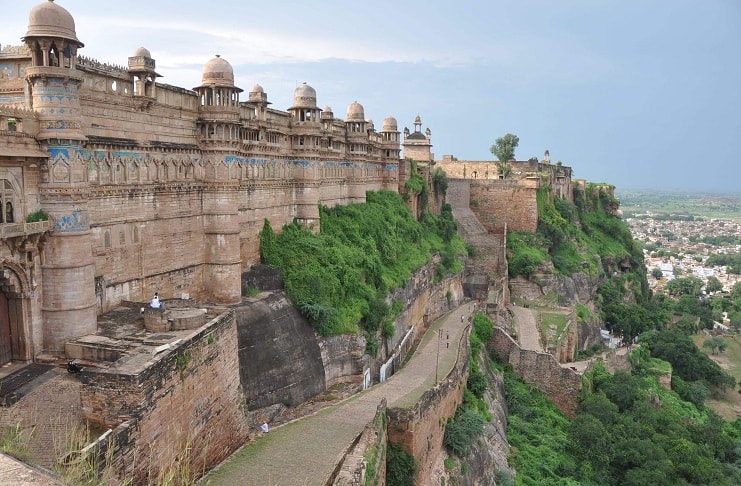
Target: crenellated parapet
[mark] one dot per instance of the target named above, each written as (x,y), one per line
(101,67)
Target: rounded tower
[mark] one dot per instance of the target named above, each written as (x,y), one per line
(68,289)
(220,134)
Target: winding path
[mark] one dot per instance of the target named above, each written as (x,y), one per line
(527,329)
(306,451)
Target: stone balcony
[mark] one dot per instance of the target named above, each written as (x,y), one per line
(12,230)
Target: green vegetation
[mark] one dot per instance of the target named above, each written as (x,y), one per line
(680,206)
(401,469)
(470,417)
(417,185)
(36,216)
(629,430)
(538,435)
(731,260)
(340,279)
(676,346)
(251,292)
(14,441)
(504,147)
(573,236)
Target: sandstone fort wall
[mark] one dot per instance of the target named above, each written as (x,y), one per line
(175,407)
(420,430)
(542,370)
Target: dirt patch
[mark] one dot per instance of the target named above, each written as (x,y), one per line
(727,405)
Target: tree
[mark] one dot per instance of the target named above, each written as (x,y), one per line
(657,273)
(685,286)
(715,344)
(504,147)
(736,291)
(713,285)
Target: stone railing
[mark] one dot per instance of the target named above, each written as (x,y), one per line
(9,230)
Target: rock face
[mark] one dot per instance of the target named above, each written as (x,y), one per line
(270,330)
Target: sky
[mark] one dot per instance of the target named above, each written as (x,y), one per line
(635,93)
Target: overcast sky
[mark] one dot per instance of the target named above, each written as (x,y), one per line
(637,93)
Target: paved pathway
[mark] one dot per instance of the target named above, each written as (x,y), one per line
(528,334)
(306,451)
(16,473)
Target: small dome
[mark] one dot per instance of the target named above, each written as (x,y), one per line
(417,120)
(327,113)
(142,52)
(50,20)
(257,89)
(304,96)
(218,71)
(390,124)
(355,112)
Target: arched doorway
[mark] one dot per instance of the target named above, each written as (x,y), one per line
(15,335)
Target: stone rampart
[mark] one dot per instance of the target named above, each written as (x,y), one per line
(506,203)
(421,428)
(541,370)
(177,410)
(365,462)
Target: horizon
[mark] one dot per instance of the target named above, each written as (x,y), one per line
(615,90)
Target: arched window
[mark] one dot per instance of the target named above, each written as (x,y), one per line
(8,201)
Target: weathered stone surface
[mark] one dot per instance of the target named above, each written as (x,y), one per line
(420,429)
(541,370)
(279,356)
(171,410)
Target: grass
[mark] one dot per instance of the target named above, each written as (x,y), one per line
(727,405)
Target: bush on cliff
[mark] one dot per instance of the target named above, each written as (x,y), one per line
(628,430)
(573,235)
(339,277)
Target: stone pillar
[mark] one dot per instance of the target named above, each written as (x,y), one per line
(223,263)
(306,203)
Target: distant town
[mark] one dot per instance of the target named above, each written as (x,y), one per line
(682,238)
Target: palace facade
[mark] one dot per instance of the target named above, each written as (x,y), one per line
(115,186)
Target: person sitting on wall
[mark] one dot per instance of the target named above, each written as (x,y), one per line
(264,427)
(155,303)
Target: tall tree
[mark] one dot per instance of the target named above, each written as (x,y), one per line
(504,147)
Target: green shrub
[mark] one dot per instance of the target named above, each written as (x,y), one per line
(36,216)
(251,292)
(339,279)
(401,469)
(461,431)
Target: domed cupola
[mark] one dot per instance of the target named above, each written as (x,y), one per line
(390,136)
(304,107)
(355,112)
(52,75)
(141,69)
(218,72)
(49,20)
(258,95)
(355,121)
(390,124)
(327,113)
(217,85)
(304,96)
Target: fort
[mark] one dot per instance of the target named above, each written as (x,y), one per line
(116,186)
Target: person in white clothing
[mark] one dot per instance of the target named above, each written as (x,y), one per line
(155,303)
